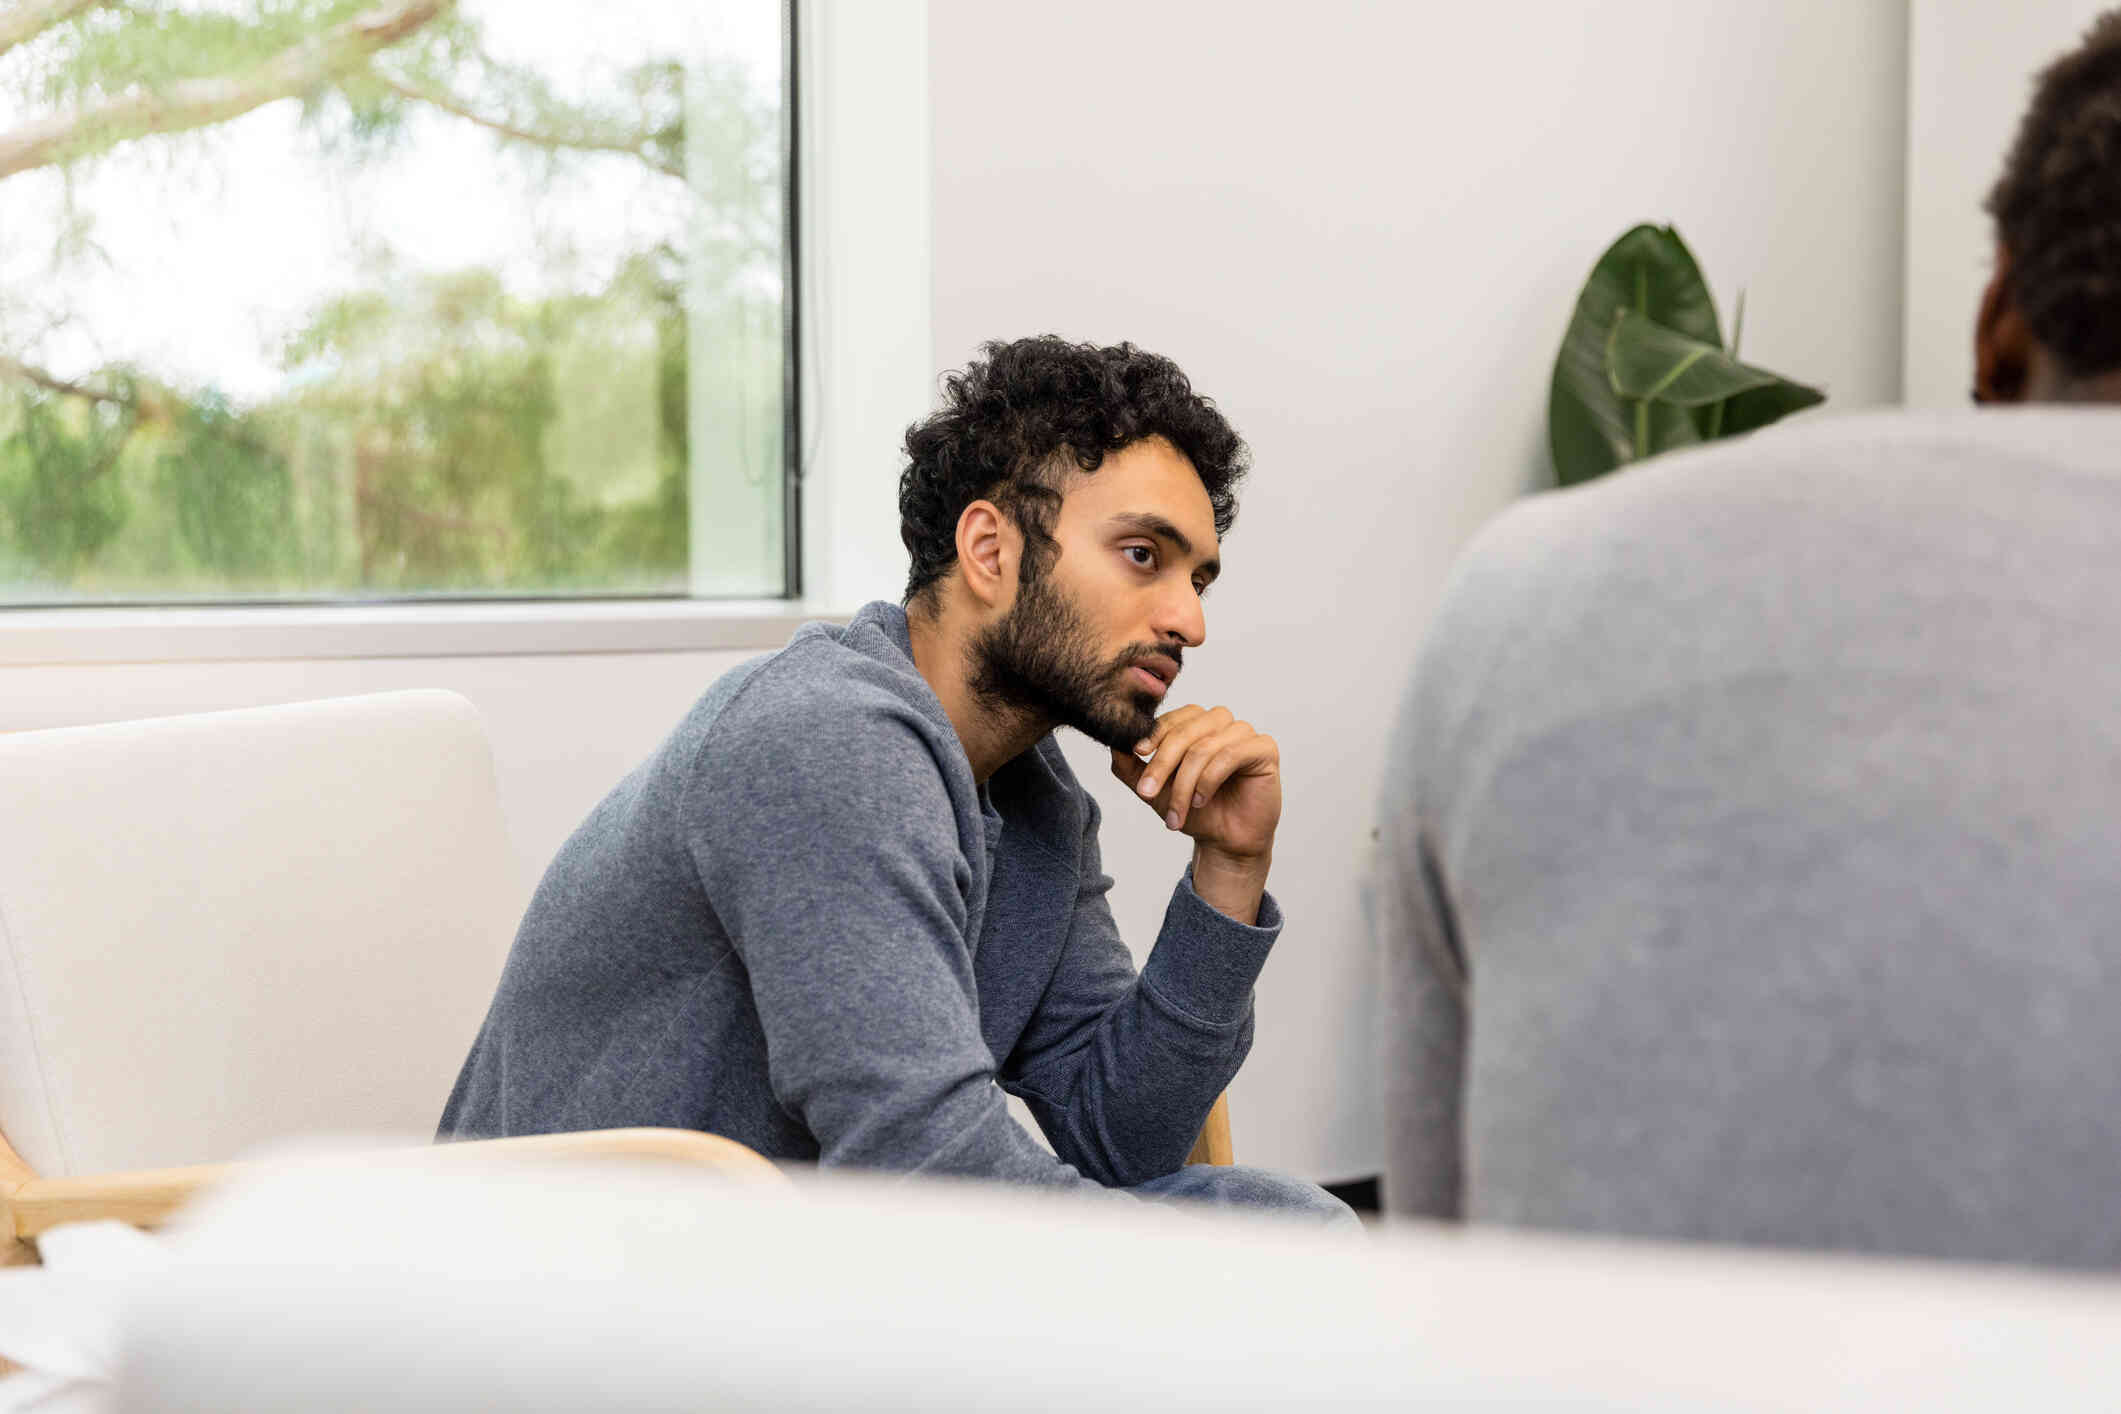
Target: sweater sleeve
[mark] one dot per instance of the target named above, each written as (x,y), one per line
(1120,1070)
(1422,1030)
(1424,972)
(826,840)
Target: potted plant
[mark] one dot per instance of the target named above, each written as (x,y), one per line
(1644,368)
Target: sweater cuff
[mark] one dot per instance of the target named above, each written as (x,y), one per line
(1205,961)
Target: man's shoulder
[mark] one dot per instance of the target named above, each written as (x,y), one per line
(1702,562)
(818,669)
(1818,477)
(825,743)
(819,693)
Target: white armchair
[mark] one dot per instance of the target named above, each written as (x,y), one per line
(223,930)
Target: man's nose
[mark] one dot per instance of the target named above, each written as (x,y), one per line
(1181,620)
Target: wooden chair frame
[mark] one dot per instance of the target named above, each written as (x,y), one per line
(30,1205)
(1213,1146)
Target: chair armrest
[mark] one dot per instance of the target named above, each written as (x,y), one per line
(1214,1146)
(143,1197)
(688,1146)
(147,1197)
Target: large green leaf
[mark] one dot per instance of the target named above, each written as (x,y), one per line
(1764,405)
(1648,362)
(1590,428)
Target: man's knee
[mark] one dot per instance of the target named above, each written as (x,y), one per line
(1237,1186)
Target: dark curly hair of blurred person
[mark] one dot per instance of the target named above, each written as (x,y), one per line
(2057,206)
(1015,419)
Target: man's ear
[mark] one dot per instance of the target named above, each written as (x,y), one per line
(2003,344)
(987,550)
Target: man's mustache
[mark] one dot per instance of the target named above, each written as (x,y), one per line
(1171,660)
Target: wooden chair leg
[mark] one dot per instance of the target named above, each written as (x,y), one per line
(1213,1146)
(15,1249)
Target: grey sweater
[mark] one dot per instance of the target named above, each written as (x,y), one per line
(1751,865)
(800,924)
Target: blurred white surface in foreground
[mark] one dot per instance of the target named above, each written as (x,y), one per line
(60,1321)
(353,1286)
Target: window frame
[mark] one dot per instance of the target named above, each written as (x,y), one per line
(391,628)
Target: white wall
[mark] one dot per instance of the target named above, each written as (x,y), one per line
(1361,229)
(1970,76)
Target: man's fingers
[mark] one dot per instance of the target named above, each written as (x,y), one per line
(1191,785)
(1173,745)
(1163,727)
(1167,747)
(1128,768)
(1240,756)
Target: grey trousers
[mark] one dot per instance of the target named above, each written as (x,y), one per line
(1235,1186)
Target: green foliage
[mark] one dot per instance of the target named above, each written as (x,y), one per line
(443,437)
(449,394)
(58,499)
(1643,369)
(1649,363)
(111,49)
(231,492)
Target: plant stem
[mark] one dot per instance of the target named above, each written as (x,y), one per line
(1737,333)
(1642,408)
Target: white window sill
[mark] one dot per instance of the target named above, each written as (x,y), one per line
(426,630)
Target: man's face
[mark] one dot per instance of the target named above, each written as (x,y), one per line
(1095,641)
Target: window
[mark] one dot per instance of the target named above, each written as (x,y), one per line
(371,299)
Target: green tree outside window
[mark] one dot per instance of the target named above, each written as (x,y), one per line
(375,404)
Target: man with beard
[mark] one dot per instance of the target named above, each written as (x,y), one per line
(856,896)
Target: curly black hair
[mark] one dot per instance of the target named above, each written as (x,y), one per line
(2057,206)
(1013,420)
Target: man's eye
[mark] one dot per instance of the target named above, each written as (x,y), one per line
(1146,556)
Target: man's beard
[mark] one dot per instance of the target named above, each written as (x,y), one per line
(1039,660)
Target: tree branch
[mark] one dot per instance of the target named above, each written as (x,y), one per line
(198,103)
(51,382)
(634,145)
(145,404)
(31,18)
(137,408)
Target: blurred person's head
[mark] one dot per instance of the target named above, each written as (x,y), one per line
(1063,510)
(2049,329)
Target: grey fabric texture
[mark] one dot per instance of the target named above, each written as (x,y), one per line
(1750,868)
(801,924)
(1251,1190)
